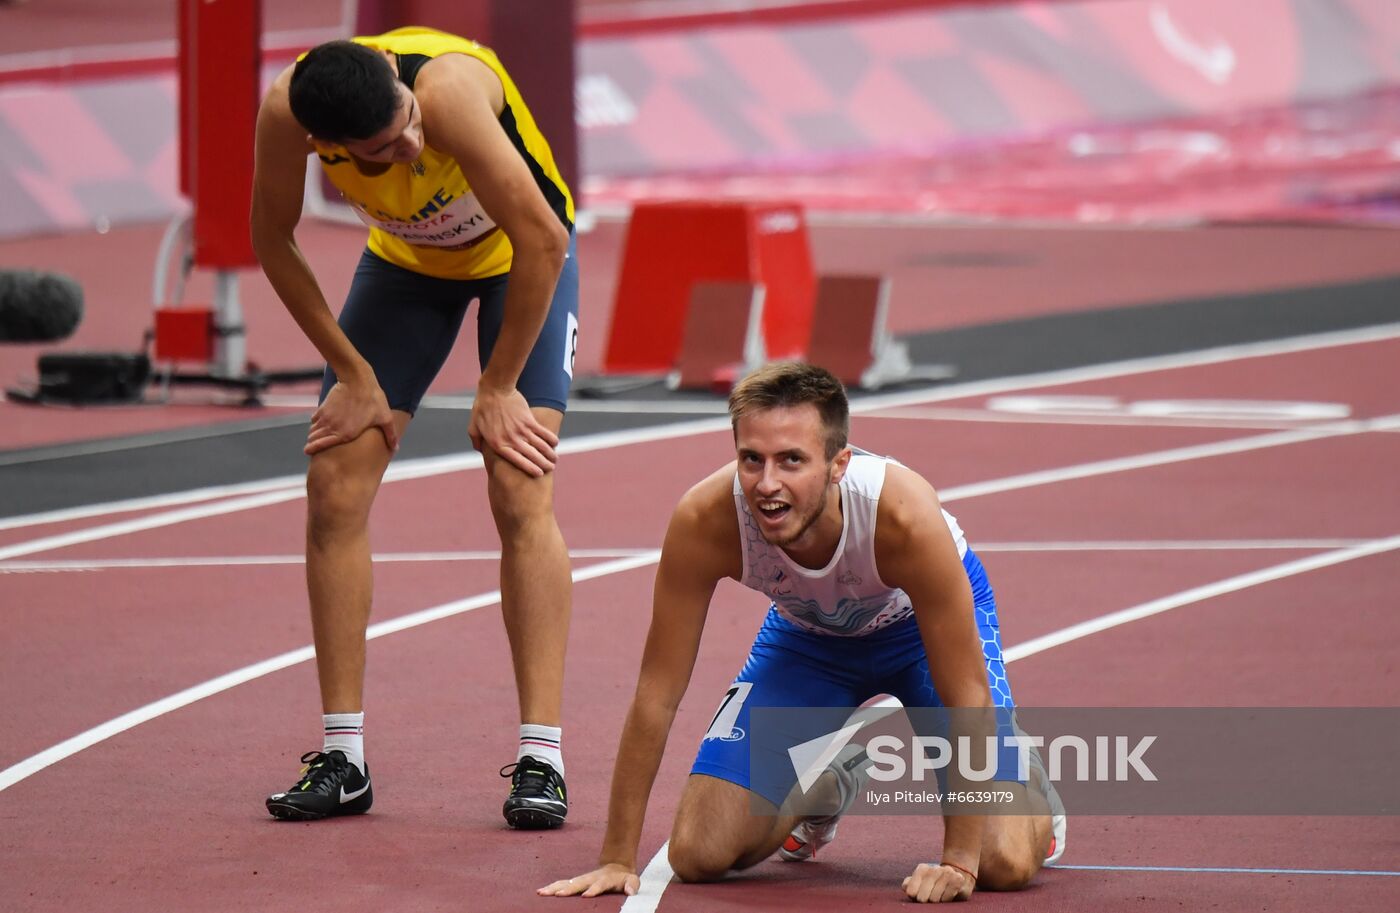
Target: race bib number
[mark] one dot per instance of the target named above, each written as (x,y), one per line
(570,345)
(722,726)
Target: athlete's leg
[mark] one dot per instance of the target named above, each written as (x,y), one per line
(536,586)
(721,826)
(403,324)
(340,487)
(729,816)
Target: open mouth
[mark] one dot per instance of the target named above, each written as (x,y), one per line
(774,510)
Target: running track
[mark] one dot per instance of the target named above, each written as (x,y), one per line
(1077,518)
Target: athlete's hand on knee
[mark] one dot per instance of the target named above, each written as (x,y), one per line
(503,422)
(932,883)
(610,879)
(346,413)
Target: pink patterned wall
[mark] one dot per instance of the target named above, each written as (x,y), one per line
(794,97)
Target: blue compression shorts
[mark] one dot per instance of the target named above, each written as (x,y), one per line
(791,667)
(405,323)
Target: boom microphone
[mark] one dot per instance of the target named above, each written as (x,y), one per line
(38,307)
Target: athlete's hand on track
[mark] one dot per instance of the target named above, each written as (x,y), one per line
(610,879)
(348,411)
(503,422)
(938,884)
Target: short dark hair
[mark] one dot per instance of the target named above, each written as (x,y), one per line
(792,383)
(343,91)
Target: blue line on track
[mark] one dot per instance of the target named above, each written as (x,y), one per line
(1225,871)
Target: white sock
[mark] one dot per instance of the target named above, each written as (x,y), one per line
(541,742)
(345,732)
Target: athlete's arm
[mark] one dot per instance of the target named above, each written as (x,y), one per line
(915,551)
(701,546)
(461,99)
(279,177)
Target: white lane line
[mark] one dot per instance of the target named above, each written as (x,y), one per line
(153,502)
(655,879)
(950,495)
(1197,594)
(421,467)
(954,414)
(1173,455)
(152,521)
(35,763)
(1168,545)
(1145,545)
(1232,870)
(657,875)
(293,488)
(659,862)
(1010,483)
(1156,363)
(439,465)
(104,564)
(577,404)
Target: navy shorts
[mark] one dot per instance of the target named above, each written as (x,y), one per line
(791,667)
(405,324)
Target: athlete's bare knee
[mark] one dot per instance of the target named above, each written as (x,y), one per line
(517,499)
(338,496)
(710,833)
(695,859)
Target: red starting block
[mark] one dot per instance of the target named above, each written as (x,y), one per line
(851,338)
(723,340)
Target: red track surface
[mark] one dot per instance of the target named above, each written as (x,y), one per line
(170,810)
(168,815)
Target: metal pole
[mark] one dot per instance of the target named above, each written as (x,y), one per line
(230,335)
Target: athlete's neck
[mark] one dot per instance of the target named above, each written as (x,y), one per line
(816,546)
(370,169)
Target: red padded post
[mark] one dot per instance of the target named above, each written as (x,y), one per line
(672,245)
(219,95)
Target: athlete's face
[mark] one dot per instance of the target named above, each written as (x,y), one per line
(786,478)
(401,141)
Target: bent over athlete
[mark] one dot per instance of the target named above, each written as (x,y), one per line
(428,139)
